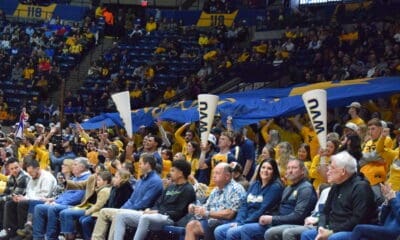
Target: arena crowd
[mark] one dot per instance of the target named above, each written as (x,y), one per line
(269,180)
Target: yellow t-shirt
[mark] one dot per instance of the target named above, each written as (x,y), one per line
(23,151)
(93,157)
(169,94)
(394,176)
(375,172)
(358,121)
(136,93)
(166,167)
(42,156)
(151,26)
(310,137)
(313,173)
(28,73)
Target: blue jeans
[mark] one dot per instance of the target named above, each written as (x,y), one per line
(32,204)
(41,224)
(370,232)
(87,225)
(68,218)
(226,231)
(252,231)
(311,234)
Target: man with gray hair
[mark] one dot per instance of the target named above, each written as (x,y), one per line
(45,216)
(350,201)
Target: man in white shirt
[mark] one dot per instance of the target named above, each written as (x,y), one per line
(41,185)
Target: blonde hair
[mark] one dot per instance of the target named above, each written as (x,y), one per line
(68,163)
(125,175)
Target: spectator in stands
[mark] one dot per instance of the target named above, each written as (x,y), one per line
(135,34)
(70,215)
(16,184)
(109,22)
(40,186)
(207,151)
(373,164)
(28,72)
(169,94)
(354,112)
(283,155)
(59,152)
(221,206)
(183,141)
(99,11)
(59,197)
(293,232)
(151,25)
(357,205)
(303,154)
(150,90)
(72,196)
(147,191)
(192,156)
(16,73)
(308,134)
(297,201)
(389,219)
(171,206)
(244,152)
(263,196)
(319,165)
(25,147)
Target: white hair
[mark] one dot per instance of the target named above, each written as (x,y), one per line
(346,161)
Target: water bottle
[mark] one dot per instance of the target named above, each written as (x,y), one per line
(198,204)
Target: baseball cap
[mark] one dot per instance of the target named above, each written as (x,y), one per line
(212,139)
(352,126)
(39,125)
(354,104)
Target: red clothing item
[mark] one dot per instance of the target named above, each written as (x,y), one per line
(108,17)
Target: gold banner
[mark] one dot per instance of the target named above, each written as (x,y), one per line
(34,11)
(214,19)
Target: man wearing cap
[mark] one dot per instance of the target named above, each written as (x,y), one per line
(170,207)
(354,111)
(39,128)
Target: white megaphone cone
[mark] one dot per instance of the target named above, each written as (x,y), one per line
(123,104)
(207,105)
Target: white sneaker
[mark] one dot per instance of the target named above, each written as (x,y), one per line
(3,233)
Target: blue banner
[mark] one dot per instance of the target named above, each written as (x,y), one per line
(252,106)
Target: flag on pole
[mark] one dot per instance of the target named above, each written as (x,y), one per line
(19,133)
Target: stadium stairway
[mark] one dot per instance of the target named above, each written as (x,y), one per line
(77,74)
